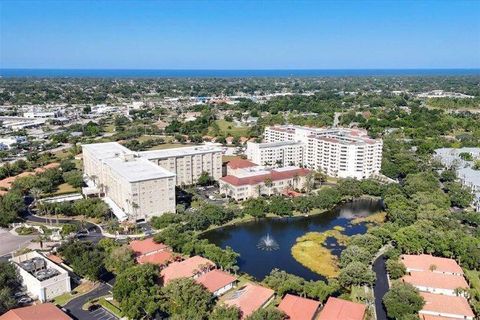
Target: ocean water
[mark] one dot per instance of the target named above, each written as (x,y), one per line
(158,73)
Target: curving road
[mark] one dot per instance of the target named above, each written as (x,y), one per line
(381,286)
(74,307)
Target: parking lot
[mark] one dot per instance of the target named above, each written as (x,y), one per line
(211,194)
(102,314)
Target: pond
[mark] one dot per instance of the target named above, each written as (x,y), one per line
(244,238)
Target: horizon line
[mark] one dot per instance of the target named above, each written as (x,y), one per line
(248,69)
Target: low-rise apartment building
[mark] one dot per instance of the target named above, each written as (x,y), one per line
(338,152)
(256,181)
(43,279)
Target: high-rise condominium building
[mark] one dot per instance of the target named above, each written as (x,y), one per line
(139,185)
(338,152)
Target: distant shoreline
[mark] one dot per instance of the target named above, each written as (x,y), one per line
(198,73)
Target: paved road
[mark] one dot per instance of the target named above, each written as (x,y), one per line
(94,235)
(10,242)
(381,286)
(74,307)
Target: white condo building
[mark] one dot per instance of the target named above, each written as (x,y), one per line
(139,185)
(338,152)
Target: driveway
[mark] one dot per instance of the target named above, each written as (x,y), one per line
(381,286)
(74,307)
(10,242)
(94,232)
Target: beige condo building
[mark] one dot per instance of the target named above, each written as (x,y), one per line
(188,163)
(139,185)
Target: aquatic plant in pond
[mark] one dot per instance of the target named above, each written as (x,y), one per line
(267,243)
(311,251)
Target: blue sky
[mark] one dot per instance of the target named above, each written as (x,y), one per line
(240,34)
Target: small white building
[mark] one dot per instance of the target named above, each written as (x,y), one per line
(44,279)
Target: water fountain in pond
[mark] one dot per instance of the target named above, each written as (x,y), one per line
(267,243)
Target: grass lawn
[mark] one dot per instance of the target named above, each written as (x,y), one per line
(78,291)
(65,188)
(363,295)
(169,146)
(229,129)
(62,154)
(111,305)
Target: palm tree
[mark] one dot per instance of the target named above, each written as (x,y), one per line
(268,183)
(36,194)
(296,178)
(259,189)
(309,181)
(135,207)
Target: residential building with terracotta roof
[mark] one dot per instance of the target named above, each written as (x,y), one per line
(339,152)
(235,165)
(250,298)
(217,281)
(298,308)
(148,251)
(44,311)
(253,182)
(439,283)
(450,307)
(189,268)
(339,309)
(426,262)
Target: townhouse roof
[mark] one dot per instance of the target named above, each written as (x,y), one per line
(215,280)
(339,309)
(145,246)
(240,163)
(442,304)
(158,258)
(431,317)
(274,175)
(425,262)
(435,280)
(298,308)
(250,298)
(36,312)
(186,268)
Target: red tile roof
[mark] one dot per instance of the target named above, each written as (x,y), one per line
(442,304)
(141,247)
(45,311)
(55,258)
(435,280)
(240,164)
(430,317)
(215,280)
(339,309)
(158,258)
(425,262)
(297,308)
(250,298)
(186,268)
(274,175)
